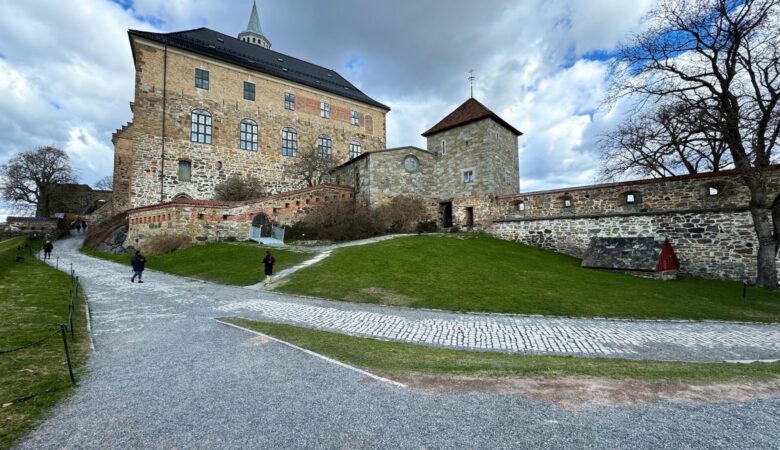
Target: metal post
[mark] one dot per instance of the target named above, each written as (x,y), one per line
(744,289)
(67,353)
(70,321)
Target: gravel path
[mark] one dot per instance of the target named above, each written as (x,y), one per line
(166,375)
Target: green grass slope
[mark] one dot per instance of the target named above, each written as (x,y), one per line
(479,273)
(34,299)
(236,264)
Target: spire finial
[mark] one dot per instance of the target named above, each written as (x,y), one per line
(471,81)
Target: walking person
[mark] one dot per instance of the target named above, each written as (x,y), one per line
(78,227)
(47,248)
(138,262)
(269,262)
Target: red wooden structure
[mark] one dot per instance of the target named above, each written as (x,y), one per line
(668,260)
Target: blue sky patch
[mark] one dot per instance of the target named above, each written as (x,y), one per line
(354,63)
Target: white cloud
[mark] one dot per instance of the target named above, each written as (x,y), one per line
(66,71)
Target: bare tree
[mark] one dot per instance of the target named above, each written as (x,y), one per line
(311,166)
(721,57)
(667,141)
(238,188)
(30,178)
(105,184)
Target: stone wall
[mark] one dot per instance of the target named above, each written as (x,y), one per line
(710,244)
(705,217)
(138,166)
(485,147)
(209,220)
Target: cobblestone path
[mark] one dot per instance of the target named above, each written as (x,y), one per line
(658,340)
(165,374)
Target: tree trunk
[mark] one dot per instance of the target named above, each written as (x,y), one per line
(767,262)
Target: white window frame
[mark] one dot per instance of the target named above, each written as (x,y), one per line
(325,110)
(355,149)
(247,137)
(355,117)
(289,101)
(469,176)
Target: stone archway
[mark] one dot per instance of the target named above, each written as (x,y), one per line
(264,224)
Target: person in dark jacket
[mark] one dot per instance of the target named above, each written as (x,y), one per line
(139,263)
(269,262)
(47,250)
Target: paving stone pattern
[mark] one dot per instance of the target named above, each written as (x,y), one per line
(165,374)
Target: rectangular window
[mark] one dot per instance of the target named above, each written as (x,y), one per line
(354,150)
(201,126)
(325,110)
(201,79)
(443,148)
(185,171)
(630,199)
(468,176)
(508,177)
(248,135)
(249,91)
(289,101)
(355,117)
(289,142)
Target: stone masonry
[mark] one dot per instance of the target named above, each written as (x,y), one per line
(209,220)
(170,72)
(704,216)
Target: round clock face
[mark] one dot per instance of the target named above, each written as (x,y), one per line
(411,164)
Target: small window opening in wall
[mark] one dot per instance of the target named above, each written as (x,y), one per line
(286,205)
(468,176)
(201,216)
(276,210)
(713,191)
(521,206)
(225,217)
(308,201)
(567,203)
(630,199)
(443,148)
(297,203)
(219,165)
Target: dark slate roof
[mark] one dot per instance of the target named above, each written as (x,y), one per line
(619,253)
(468,112)
(229,49)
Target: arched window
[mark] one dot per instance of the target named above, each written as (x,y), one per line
(324,146)
(201,126)
(248,135)
(354,150)
(289,142)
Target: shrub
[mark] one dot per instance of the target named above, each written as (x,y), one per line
(427,226)
(162,244)
(349,221)
(237,188)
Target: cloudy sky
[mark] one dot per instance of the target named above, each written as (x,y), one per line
(66,72)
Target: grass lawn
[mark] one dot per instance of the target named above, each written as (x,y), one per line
(239,264)
(34,298)
(479,273)
(392,358)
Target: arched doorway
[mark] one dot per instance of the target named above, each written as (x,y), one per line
(262,226)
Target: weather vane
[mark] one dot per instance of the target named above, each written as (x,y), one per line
(471,81)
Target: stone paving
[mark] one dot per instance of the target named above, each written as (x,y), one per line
(165,374)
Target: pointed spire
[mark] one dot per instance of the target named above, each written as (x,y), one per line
(254,33)
(254,21)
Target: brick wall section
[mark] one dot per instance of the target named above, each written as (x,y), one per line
(212,220)
(137,165)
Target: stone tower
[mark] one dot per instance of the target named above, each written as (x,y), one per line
(253,33)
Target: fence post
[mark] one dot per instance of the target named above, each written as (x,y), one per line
(70,320)
(67,353)
(57,265)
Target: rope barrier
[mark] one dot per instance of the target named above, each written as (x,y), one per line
(32,344)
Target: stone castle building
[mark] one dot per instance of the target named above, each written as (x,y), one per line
(208,106)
